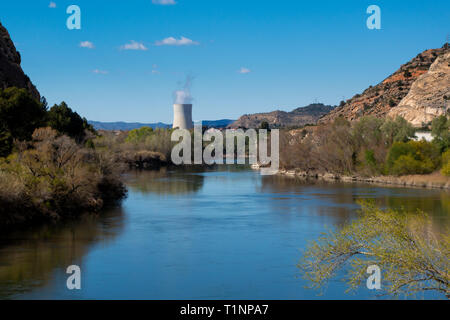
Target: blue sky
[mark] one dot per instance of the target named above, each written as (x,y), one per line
(245,56)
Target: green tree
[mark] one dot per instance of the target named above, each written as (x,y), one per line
(440,129)
(264,125)
(413,157)
(367,130)
(66,121)
(397,130)
(20,115)
(446,163)
(402,244)
(139,135)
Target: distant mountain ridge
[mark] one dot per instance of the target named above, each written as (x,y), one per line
(277,119)
(126,126)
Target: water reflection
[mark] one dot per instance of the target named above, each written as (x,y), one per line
(342,196)
(164,181)
(223,232)
(28,258)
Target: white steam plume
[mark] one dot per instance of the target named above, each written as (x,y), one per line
(183,96)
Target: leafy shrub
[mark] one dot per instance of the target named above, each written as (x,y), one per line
(20,115)
(405,245)
(397,130)
(440,129)
(413,157)
(370,158)
(446,163)
(264,125)
(130,147)
(406,164)
(139,135)
(66,121)
(54,177)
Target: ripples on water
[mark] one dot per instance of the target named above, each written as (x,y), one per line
(224,233)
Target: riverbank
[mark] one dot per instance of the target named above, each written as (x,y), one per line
(434,180)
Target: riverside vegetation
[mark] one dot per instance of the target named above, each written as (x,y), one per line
(48,166)
(368,147)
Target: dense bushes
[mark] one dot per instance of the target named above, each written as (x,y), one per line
(446,163)
(144,147)
(64,120)
(46,172)
(440,129)
(139,135)
(21,114)
(52,177)
(369,146)
(413,157)
(344,147)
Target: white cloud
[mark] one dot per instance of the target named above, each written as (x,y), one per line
(87,44)
(134,45)
(164,2)
(155,69)
(97,71)
(52,5)
(244,70)
(171,41)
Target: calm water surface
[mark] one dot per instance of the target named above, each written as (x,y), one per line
(227,233)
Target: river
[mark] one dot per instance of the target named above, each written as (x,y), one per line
(223,233)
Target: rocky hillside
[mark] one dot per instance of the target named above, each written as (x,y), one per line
(380,99)
(429,96)
(277,119)
(11,73)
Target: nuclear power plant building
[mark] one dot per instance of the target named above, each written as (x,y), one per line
(182,116)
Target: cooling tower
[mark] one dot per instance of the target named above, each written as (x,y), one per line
(182,116)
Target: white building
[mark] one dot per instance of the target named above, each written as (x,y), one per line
(423,135)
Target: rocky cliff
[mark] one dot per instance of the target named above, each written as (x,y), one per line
(429,96)
(11,73)
(379,100)
(277,119)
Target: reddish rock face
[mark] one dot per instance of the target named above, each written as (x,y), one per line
(11,73)
(429,96)
(380,99)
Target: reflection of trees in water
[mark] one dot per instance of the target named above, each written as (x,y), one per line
(340,195)
(176,180)
(306,195)
(164,181)
(28,258)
